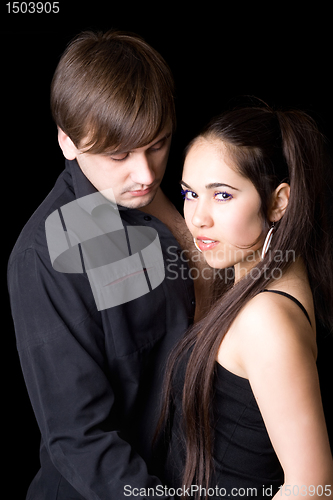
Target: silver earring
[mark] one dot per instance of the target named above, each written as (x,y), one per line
(196,245)
(267,241)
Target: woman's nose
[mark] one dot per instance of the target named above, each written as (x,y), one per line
(201,216)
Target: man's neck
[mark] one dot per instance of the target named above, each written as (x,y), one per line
(159,207)
(162,208)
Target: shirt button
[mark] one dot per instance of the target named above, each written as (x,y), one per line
(193,302)
(147,217)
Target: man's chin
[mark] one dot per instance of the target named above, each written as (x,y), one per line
(138,201)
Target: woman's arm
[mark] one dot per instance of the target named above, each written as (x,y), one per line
(278,355)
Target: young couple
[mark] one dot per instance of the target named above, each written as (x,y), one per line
(242,408)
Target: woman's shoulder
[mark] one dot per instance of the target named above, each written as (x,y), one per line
(281,304)
(275,312)
(273,323)
(268,326)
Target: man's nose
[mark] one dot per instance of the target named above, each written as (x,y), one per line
(143,172)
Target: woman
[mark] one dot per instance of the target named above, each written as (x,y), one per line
(247,416)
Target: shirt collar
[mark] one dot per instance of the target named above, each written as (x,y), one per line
(83,187)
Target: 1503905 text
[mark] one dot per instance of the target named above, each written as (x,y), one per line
(33,7)
(293,490)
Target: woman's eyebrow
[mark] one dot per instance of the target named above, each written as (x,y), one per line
(184,184)
(212,185)
(219,184)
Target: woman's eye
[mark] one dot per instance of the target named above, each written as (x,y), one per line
(189,195)
(223,196)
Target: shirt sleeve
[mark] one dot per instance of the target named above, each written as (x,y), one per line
(60,340)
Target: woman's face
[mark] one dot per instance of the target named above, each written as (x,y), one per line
(222,208)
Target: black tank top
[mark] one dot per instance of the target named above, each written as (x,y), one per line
(244,459)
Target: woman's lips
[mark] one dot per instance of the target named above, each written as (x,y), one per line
(206,243)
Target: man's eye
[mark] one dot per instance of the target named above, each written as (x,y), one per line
(189,195)
(159,145)
(222,196)
(119,157)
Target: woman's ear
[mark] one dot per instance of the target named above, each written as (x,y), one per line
(67,146)
(280,200)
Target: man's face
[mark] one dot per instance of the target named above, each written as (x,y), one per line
(134,176)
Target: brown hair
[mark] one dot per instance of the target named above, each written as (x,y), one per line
(112,91)
(268,147)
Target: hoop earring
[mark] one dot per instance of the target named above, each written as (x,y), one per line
(267,241)
(196,245)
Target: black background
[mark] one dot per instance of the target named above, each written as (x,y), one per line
(278,53)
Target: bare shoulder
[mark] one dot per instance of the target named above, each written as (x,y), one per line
(276,346)
(274,312)
(273,325)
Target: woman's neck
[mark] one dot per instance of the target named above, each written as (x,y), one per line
(292,278)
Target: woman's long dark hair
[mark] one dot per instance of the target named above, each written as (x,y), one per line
(268,147)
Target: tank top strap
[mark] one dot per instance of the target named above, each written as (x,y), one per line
(291,297)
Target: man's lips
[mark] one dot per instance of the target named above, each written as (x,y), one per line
(140,192)
(205,243)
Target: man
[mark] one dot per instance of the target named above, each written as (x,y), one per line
(94,369)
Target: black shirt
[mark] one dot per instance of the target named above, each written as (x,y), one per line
(94,376)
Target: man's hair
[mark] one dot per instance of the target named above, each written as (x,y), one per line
(112,91)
